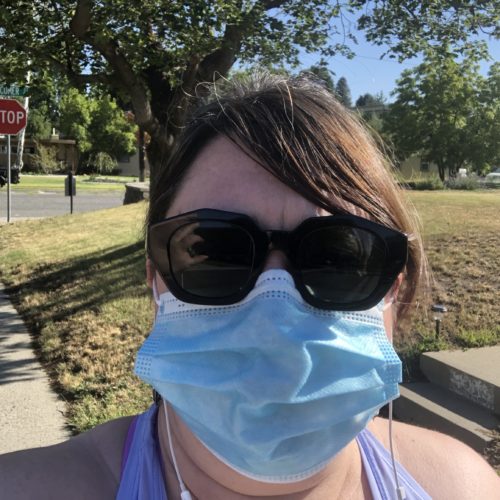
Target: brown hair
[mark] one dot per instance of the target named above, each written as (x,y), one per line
(299,132)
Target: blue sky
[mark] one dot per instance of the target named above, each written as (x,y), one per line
(367,73)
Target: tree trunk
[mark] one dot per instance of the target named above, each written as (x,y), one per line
(159,150)
(141,155)
(441,170)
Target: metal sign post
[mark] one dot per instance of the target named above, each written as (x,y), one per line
(12,121)
(70,189)
(8,178)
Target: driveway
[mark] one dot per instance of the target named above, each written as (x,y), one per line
(50,204)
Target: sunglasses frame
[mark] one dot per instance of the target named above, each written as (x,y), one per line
(160,234)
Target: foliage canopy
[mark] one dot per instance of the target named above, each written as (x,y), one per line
(448,113)
(152,54)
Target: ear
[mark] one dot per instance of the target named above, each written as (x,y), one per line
(150,272)
(391,297)
(394,291)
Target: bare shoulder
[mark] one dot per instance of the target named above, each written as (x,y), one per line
(442,465)
(88,465)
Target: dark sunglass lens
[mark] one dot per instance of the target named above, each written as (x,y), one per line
(211,259)
(341,264)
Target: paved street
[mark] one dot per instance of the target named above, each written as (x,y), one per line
(49,204)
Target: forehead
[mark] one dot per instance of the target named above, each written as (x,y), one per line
(224,177)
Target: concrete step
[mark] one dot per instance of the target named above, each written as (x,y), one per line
(430,406)
(474,374)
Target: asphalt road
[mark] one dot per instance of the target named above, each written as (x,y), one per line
(50,204)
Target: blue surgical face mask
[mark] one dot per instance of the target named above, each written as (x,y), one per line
(272,386)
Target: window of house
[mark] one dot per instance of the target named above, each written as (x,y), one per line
(13,149)
(424,166)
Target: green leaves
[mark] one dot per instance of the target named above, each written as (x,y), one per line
(97,124)
(152,54)
(447,112)
(410,27)
(75,115)
(343,92)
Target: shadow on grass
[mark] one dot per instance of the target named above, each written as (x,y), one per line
(84,284)
(58,297)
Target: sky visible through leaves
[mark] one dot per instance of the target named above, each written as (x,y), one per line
(367,73)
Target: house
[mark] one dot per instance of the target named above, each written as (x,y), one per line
(129,165)
(66,153)
(416,167)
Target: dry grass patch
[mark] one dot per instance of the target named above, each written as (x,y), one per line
(79,282)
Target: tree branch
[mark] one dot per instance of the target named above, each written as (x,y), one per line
(78,79)
(220,61)
(223,58)
(122,69)
(82,18)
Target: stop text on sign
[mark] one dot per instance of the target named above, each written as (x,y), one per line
(12,117)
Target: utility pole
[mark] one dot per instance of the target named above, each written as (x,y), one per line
(20,141)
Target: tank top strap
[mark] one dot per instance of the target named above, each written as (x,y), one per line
(377,464)
(142,469)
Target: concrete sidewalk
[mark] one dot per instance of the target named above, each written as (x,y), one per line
(31,415)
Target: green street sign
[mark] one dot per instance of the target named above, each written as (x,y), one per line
(13,91)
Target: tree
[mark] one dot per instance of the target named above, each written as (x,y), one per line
(343,92)
(367,100)
(485,124)
(109,130)
(39,125)
(98,125)
(442,112)
(323,74)
(151,55)
(74,118)
(371,108)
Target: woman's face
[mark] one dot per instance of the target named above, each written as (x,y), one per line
(223,177)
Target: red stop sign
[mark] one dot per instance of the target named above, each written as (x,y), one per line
(12,117)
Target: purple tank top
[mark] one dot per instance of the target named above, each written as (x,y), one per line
(142,467)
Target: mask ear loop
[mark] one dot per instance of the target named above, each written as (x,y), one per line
(387,304)
(156,295)
(185,494)
(400,491)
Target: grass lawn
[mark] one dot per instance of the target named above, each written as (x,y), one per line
(80,285)
(79,282)
(462,237)
(83,183)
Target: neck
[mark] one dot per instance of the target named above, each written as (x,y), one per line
(205,476)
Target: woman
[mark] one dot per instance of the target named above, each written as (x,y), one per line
(281,256)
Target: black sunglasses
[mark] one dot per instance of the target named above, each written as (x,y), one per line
(340,262)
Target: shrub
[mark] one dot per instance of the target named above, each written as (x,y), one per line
(429,184)
(99,163)
(44,161)
(468,183)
